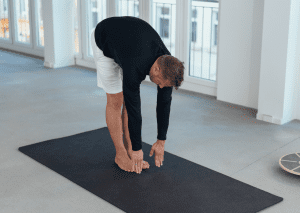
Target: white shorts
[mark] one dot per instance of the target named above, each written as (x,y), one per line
(109,73)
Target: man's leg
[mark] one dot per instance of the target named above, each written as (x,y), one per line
(114,124)
(126,136)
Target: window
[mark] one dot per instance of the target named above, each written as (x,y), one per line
(164,22)
(205,47)
(5,5)
(136,9)
(216,34)
(94,4)
(22,6)
(194,14)
(127,8)
(165,10)
(215,22)
(164,27)
(194,31)
(95,18)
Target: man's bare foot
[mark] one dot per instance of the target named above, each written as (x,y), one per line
(124,162)
(145,163)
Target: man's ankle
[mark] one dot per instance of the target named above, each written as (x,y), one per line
(121,151)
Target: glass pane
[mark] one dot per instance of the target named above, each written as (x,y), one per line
(22,19)
(40,25)
(203,39)
(76,27)
(164,22)
(4,22)
(128,8)
(97,12)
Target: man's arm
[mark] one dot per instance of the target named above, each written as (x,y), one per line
(132,99)
(163,108)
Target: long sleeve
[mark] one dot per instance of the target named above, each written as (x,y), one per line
(163,107)
(131,93)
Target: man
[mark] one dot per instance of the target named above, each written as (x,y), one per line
(131,47)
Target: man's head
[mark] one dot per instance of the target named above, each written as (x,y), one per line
(167,71)
(157,77)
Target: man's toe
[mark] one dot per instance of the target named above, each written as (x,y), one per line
(146,165)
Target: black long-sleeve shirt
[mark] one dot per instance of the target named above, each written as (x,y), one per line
(135,46)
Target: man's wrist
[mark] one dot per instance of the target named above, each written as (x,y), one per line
(161,141)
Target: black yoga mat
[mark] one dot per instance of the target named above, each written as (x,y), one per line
(87,159)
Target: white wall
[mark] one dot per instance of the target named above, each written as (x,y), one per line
(238,68)
(278,87)
(297,78)
(292,92)
(274,58)
(257,56)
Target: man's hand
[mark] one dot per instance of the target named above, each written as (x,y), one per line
(137,159)
(159,149)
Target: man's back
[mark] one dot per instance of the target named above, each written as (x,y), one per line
(129,37)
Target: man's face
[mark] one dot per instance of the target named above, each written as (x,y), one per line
(156,76)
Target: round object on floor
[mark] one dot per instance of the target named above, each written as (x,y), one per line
(291,163)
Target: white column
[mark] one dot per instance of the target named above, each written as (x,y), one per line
(145,7)
(183,29)
(59,44)
(112,8)
(279,71)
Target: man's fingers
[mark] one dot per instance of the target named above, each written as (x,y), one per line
(159,160)
(140,166)
(151,152)
(136,167)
